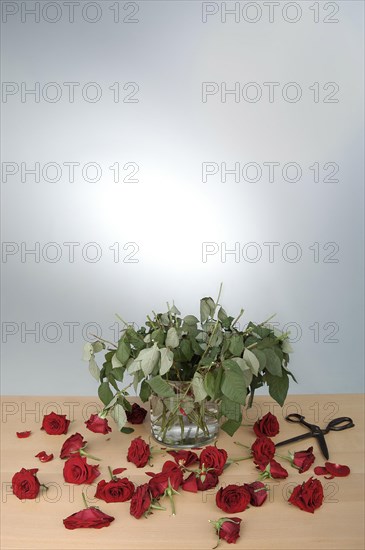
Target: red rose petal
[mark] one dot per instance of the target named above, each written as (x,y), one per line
(118,470)
(22,435)
(320,470)
(337,470)
(44,457)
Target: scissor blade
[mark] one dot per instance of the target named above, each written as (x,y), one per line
(293,439)
(323,445)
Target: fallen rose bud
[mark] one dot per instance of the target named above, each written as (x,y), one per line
(258,492)
(171,475)
(268,426)
(273,470)
(55,424)
(98,425)
(141,501)
(138,452)
(227,529)
(44,457)
(23,435)
(303,460)
(136,415)
(91,518)
(25,484)
(308,496)
(73,444)
(263,450)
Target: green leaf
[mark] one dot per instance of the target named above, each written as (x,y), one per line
(230,426)
(145,391)
(118,415)
(161,387)
(230,410)
(93,368)
(134,339)
(234,386)
(191,320)
(252,361)
(112,402)
(123,352)
(167,358)
(126,430)
(174,310)
(186,348)
(88,352)
(261,357)
(286,346)
(105,393)
(172,339)
(149,358)
(209,384)
(158,336)
(207,309)
(98,346)
(198,387)
(236,344)
(273,364)
(278,386)
(118,373)
(222,315)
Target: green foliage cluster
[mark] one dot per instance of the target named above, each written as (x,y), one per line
(220,361)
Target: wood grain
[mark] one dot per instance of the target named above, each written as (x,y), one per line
(338,524)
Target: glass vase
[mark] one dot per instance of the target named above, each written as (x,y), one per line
(181,422)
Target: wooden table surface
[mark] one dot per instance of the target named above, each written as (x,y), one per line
(338,524)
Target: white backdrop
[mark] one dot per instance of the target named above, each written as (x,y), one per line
(153,149)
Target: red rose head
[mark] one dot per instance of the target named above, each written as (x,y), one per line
(263,450)
(141,501)
(258,492)
(308,496)
(116,490)
(303,460)
(98,425)
(233,498)
(76,470)
(268,426)
(89,518)
(138,452)
(25,484)
(55,424)
(73,444)
(213,458)
(136,415)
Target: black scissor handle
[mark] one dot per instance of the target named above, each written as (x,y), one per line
(342,423)
(295,417)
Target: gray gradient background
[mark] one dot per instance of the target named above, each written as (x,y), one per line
(169,133)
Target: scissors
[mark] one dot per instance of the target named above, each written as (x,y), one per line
(337,425)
